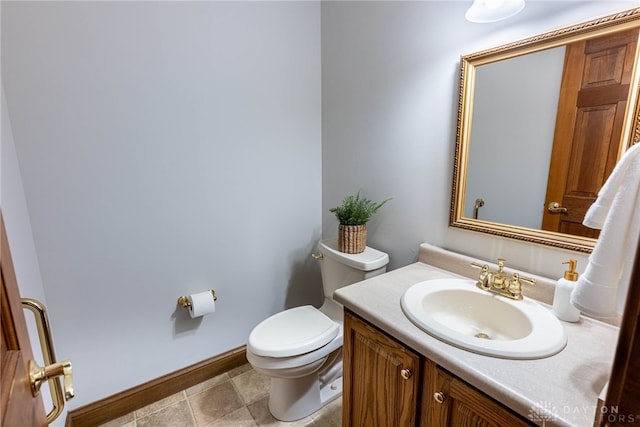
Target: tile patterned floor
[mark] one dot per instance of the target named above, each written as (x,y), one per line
(238,398)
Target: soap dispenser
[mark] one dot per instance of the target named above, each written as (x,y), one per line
(562,307)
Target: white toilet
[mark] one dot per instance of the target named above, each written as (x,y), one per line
(301,348)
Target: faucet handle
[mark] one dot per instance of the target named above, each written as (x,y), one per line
(482,267)
(515,285)
(526,280)
(484,278)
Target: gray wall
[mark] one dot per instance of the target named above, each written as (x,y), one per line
(390,75)
(169,147)
(165,148)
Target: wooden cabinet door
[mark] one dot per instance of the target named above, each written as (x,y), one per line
(448,401)
(381,378)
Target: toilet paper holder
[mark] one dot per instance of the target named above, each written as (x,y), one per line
(183,300)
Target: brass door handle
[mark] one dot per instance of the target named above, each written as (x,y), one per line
(51,370)
(40,374)
(406,373)
(439,396)
(555,207)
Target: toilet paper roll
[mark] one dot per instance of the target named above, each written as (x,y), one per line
(201,304)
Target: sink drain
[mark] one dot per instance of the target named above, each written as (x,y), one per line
(482,335)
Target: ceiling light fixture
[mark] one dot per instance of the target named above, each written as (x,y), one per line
(484,11)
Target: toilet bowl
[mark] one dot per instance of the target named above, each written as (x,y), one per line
(300,349)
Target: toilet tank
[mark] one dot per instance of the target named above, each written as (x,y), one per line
(341,269)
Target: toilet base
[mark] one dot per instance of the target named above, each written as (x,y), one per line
(303,384)
(294,399)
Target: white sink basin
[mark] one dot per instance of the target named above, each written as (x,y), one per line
(457,312)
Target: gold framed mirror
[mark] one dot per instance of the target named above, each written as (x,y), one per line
(517,174)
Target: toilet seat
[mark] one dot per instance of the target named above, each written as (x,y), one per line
(292,332)
(293,362)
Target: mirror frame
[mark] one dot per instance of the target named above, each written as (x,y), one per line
(631,131)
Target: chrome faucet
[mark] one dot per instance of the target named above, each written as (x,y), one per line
(498,282)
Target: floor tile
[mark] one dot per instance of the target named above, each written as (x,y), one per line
(123,421)
(251,386)
(330,415)
(239,370)
(207,384)
(214,403)
(167,401)
(238,418)
(260,412)
(238,398)
(175,415)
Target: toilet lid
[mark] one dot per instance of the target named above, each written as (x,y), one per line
(292,332)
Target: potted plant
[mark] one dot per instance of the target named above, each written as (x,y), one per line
(352,215)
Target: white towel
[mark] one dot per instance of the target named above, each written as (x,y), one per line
(602,289)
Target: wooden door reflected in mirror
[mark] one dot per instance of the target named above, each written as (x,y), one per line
(594,93)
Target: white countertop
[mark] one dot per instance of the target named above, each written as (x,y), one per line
(565,386)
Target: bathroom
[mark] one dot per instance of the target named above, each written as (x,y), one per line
(154,149)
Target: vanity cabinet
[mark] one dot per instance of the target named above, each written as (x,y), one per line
(381,378)
(449,401)
(386,384)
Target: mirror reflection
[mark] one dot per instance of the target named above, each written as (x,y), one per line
(512,120)
(541,125)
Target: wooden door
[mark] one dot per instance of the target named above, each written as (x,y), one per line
(381,378)
(449,401)
(587,139)
(18,406)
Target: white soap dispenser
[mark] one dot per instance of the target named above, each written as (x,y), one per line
(562,307)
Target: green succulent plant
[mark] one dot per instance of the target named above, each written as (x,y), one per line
(356,210)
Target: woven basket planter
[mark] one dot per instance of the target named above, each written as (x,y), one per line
(352,239)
